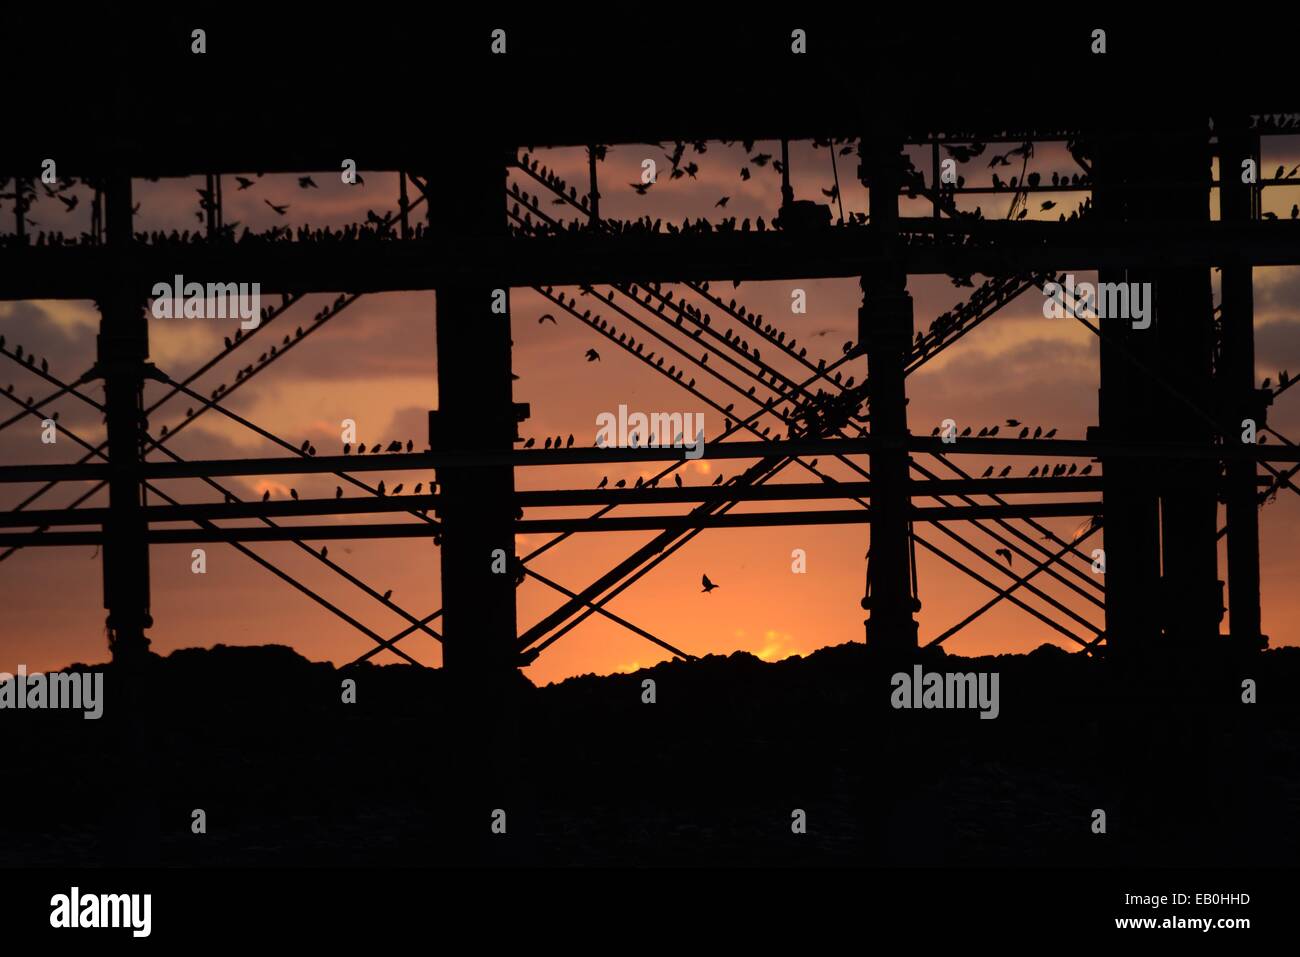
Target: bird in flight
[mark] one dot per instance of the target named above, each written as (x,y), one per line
(546,316)
(593,355)
(722,202)
(1004,553)
(281,210)
(306,182)
(243,181)
(708,585)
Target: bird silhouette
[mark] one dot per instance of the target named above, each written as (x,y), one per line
(546,316)
(397,489)
(987,472)
(324,551)
(244,182)
(604,480)
(1004,553)
(266,496)
(280,210)
(388,594)
(306,182)
(678,479)
(708,585)
(593,355)
(338,491)
(722,203)
(293,494)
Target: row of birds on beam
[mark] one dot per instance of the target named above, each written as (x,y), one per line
(1060,470)
(991,432)
(381,489)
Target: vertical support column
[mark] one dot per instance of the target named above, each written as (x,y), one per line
(475,413)
(210,213)
(1238,398)
(787,191)
(1124,409)
(1192,594)
(885,328)
(123,349)
(593,192)
(404,205)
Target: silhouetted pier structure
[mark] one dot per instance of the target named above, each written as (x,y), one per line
(1159,484)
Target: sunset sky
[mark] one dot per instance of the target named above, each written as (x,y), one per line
(376,364)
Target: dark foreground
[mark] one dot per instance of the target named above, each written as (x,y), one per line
(711,773)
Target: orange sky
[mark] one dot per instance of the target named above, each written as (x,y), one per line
(376,364)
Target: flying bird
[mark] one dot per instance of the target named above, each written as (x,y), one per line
(306,182)
(243,181)
(593,355)
(544,317)
(722,202)
(708,585)
(1003,553)
(281,210)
